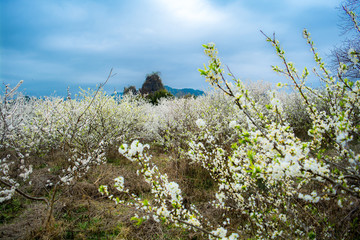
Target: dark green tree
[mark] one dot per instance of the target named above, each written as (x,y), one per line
(131,89)
(155,97)
(152,83)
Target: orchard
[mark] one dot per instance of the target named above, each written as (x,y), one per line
(241,162)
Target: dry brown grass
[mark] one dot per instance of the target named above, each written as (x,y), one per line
(81,212)
(24,225)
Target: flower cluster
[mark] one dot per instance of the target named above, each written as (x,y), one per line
(265,173)
(167,205)
(13,115)
(268,166)
(353,56)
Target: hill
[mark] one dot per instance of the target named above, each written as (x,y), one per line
(184,91)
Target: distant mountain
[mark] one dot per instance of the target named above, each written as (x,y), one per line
(184,91)
(174,91)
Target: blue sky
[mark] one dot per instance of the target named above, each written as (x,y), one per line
(53,44)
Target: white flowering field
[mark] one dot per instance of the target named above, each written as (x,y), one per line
(245,161)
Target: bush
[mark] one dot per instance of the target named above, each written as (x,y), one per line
(154,97)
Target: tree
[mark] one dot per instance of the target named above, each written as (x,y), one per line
(155,96)
(351,45)
(270,183)
(152,83)
(131,89)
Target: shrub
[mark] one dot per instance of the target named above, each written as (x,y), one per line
(154,97)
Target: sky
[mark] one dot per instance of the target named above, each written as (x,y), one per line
(55,44)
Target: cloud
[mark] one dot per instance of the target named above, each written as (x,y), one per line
(79,41)
(191,13)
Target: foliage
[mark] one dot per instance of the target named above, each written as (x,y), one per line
(152,83)
(269,166)
(154,97)
(131,89)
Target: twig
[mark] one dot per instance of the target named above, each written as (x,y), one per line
(91,102)
(198,228)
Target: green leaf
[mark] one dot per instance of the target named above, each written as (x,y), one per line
(234,146)
(312,235)
(250,155)
(139,221)
(246,134)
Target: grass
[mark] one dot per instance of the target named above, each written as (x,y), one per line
(11,209)
(80,212)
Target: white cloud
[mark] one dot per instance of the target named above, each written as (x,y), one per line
(191,12)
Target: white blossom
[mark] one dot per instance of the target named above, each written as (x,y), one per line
(200,123)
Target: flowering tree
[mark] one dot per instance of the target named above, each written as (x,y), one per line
(81,129)
(13,116)
(36,127)
(173,121)
(278,185)
(269,167)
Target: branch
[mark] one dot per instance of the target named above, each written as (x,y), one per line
(355,194)
(198,228)
(91,102)
(8,94)
(97,91)
(24,194)
(352,15)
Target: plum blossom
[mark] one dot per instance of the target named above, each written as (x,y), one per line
(173,191)
(123,148)
(200,123)
(119,183)
(233,124)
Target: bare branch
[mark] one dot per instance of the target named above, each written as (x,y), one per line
(24,194)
